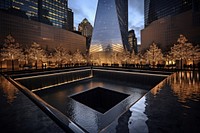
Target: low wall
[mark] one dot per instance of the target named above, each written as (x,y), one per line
(47,80)
(148,80)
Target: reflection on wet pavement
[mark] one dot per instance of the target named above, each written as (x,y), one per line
(9,91)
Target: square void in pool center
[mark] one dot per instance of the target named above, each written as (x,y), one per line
(100,99)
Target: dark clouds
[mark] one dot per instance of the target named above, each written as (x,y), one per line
(87,9)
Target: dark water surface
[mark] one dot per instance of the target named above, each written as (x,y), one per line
(59,92)
(18,114)
(84,116)
(173,106)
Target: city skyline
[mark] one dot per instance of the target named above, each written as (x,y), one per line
(87,9)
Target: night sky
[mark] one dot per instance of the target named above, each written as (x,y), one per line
(87,9)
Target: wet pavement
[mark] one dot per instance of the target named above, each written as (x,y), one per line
(18,114)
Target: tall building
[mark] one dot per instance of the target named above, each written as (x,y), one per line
(132,40)
(49,37)
(48,28)
(110,33)
(166,20)
(86,30)
(156,9)
(52,12)
(70,20)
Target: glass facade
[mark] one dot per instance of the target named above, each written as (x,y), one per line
(156,9)
(52,12)
(28,6)
(110,33)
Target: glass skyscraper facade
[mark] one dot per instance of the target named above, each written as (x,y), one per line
(52,12)
(110,33)
(156,9)
(28,6)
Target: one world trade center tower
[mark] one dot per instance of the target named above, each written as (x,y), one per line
(110,33)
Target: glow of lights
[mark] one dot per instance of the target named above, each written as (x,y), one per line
(157,88)
(161,75)
(45,75)
(46,87)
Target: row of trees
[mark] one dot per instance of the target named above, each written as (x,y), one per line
(182,51)
(35,55)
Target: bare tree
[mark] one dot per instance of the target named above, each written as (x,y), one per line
(133,58)
(182,50)
(61,55)
(114,58)
(11,50)
(94,60)
(153,55)
(124,56)
(36,53)
(78,57)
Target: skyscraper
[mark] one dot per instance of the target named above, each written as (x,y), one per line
(52,12)
(110,33)
(166,20)
(70,20)
(156,9)
(132,40)
(41,21)
(86,30)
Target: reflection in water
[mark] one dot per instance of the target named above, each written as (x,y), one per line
(137,121)
(79,113)
(89,119)
(8,89)
(185,86)
(158,87)
(123,122)
(171,106)
(176,107)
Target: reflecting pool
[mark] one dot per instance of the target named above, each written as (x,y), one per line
(83,115)
(116,100)
(171,106)
(119,89)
